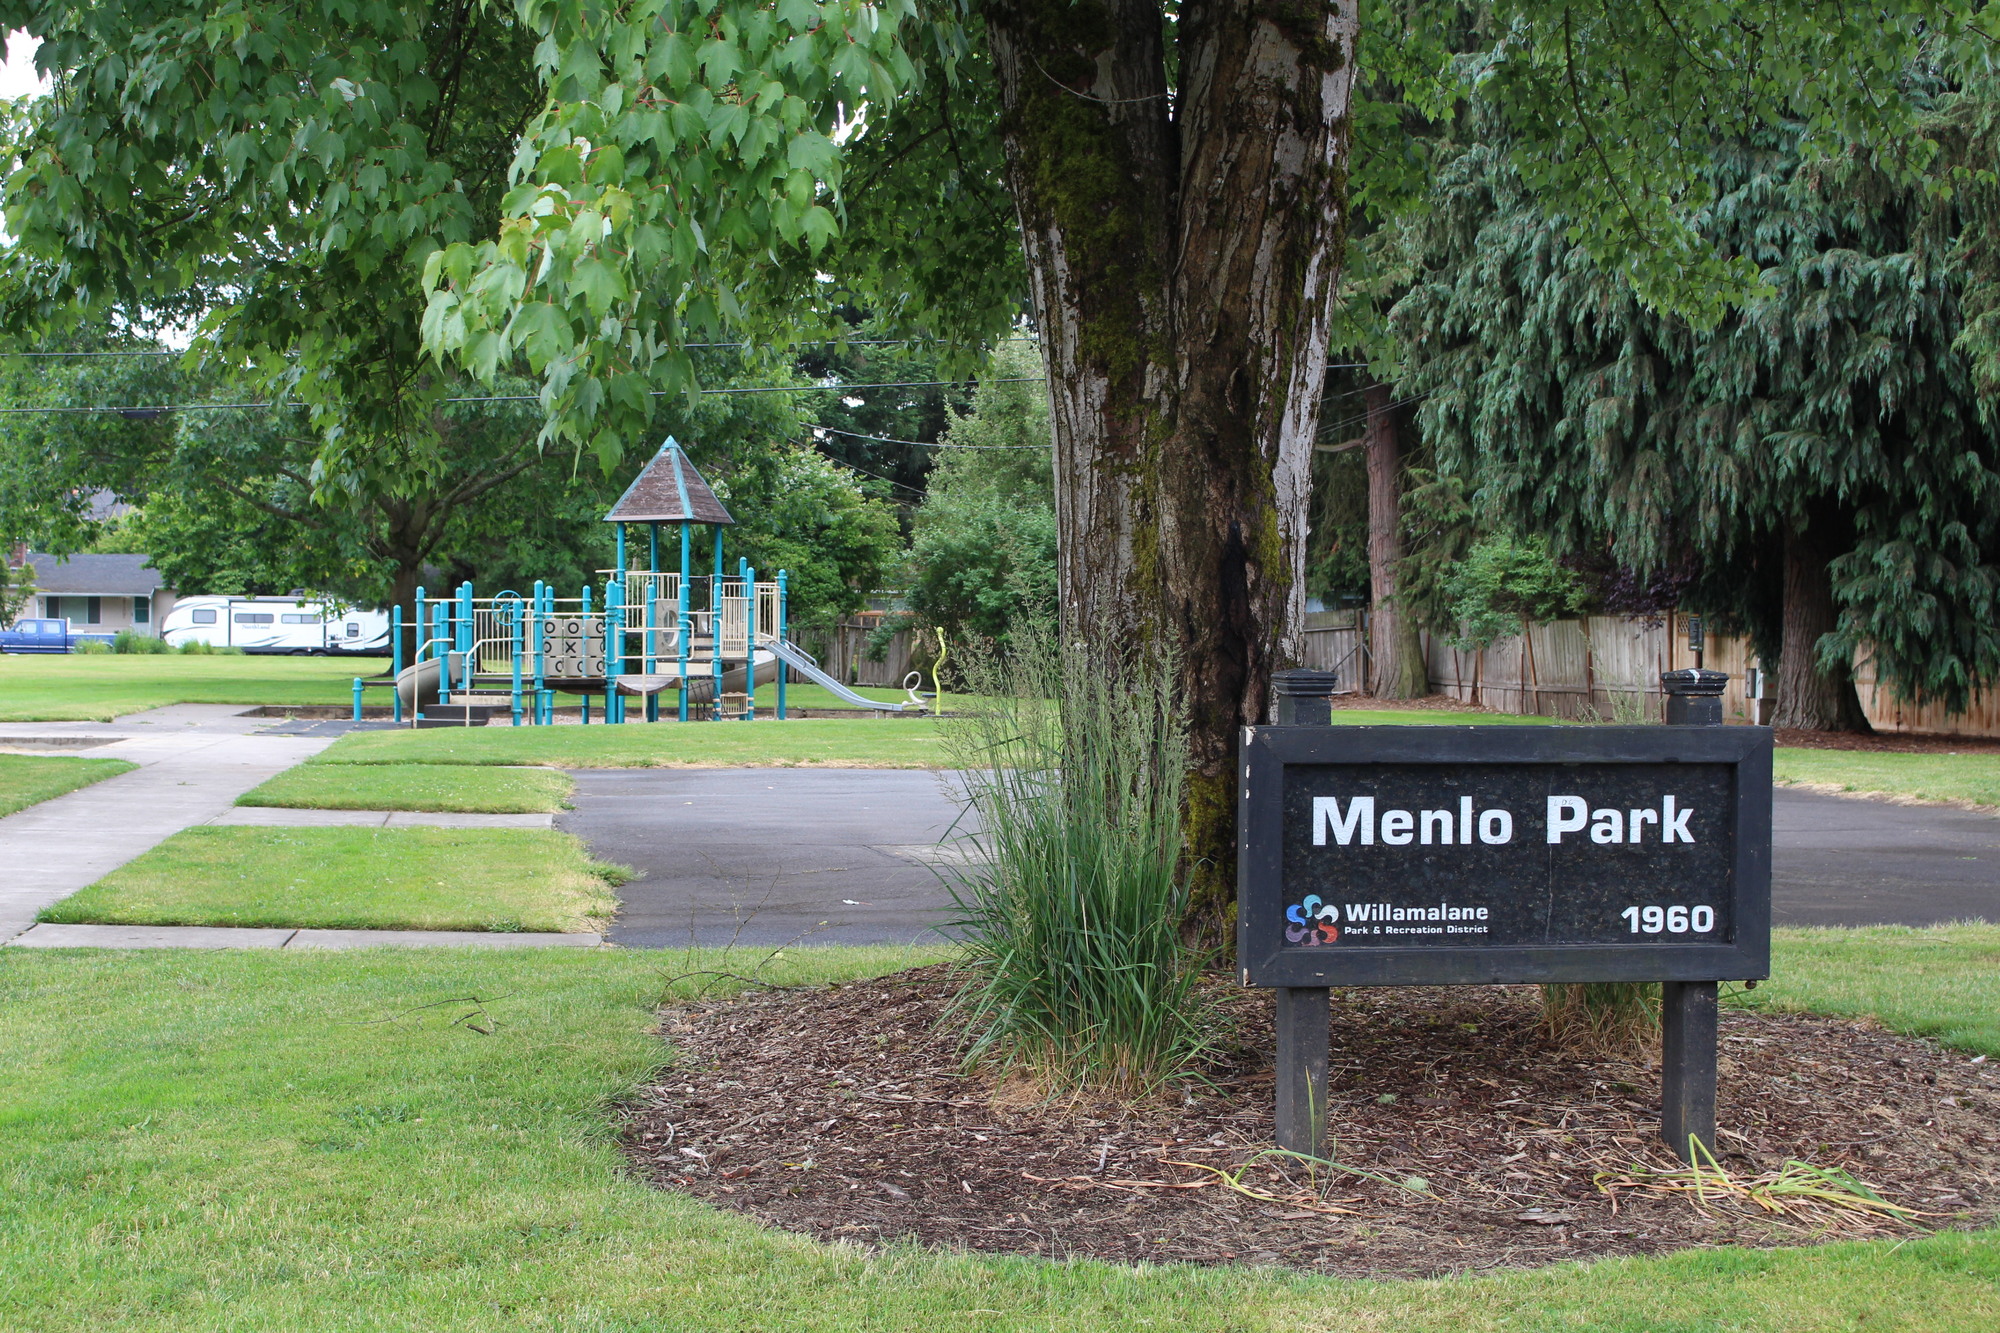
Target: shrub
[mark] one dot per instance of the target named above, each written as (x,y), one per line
(1070,910)
(131,641)
(90,646)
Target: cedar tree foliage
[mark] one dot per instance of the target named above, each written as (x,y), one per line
(1822,452)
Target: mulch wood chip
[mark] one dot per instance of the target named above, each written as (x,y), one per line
(844,1113)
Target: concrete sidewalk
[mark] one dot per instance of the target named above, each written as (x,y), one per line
(194,761)
(48,936)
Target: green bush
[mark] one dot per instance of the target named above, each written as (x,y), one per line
(1071,904)
(90,646)
(197,648)
(983,552)
(1504,580)
(131,641)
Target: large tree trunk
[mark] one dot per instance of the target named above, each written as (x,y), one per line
(1397,663)
(1809,696)
(1183,248)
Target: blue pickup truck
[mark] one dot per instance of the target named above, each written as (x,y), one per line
(43,636)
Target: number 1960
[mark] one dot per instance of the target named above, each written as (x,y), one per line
(1670,920)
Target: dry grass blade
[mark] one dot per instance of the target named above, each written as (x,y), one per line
(1233,1180)
(1795,1190)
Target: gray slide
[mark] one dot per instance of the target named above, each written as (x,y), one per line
(801,661)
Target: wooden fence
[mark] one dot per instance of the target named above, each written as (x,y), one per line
(1604,667)
(1601,667)
(842,650)
(1609,667)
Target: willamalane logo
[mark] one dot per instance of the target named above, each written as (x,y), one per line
(1315,922)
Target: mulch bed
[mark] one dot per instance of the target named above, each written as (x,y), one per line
(843,1113)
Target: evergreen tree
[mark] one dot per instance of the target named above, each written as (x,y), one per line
(1821,453)
(983,553)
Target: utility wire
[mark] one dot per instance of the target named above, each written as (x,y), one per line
(841,462)
(1330,426)
(921,444)
(153,411)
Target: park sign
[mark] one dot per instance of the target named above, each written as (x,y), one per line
(1438,855)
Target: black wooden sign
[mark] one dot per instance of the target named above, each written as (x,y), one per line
(1421,855)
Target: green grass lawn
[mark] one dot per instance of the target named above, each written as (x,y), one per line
(29,779)
(835,742)
(245,1140)
(1923,777)
(458,787)
(828,742)
(1941,982)
(99,687)
(353,879)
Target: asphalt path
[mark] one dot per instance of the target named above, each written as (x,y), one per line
(763,857)
(1844,861)
(767,857)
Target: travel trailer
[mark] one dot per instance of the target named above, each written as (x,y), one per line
(275,625)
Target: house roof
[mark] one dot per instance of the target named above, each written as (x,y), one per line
(669,490)
(93,575)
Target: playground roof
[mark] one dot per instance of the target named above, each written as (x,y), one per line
(669,490)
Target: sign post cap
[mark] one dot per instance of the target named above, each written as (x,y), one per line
(1696,681)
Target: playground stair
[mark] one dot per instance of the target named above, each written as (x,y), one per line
(460,714)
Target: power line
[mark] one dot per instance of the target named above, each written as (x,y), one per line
(162,408)
(825,342)
(1330,426)
(923,444)
(841,462)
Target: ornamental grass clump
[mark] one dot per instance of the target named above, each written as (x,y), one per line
(1602,1017)
(1071,897)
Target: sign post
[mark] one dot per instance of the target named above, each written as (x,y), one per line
(1687,1008)
(1385,856)
(1302,699)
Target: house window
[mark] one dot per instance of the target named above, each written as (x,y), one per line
(52,608)
(142,610)
(93,610)
(204,617)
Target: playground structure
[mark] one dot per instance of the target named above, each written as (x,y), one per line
(709,638)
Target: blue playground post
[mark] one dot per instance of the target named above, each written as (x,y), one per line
(417,640)
(687,620)
(396,657)
(781,634)
(715,623)
(586,643)
(750,645)
(357,698)
(441,640)
(514,614)
(619,562)
(535,647)
(614,648)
